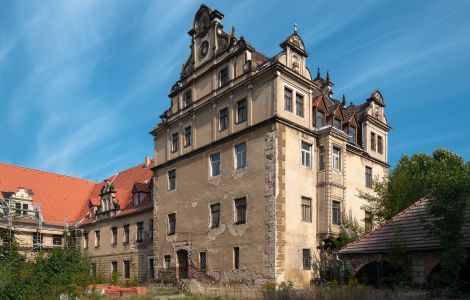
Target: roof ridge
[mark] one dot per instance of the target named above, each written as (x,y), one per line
(130,168)
(47,172)
(412,206)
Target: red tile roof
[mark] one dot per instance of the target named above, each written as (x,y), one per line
(409,226)
(62,196)
(59,196)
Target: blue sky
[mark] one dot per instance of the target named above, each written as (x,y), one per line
(83,82)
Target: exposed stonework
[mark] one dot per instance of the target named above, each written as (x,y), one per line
(270,190)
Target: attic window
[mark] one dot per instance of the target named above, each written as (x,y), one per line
(319,119)
(337,123)
(352,134)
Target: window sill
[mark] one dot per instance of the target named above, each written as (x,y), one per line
(239,223)
(240,122)
(215,227)
(173,233)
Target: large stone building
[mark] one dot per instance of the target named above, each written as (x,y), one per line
(256,161)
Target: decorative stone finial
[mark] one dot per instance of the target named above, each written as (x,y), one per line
(318,73)
(295,27)
(328,76)
(343,102)
(233,32)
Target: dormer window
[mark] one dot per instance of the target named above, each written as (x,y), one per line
(319,119)
(352,134)
(188,99)
(337,123)
(223,77)
(136,199)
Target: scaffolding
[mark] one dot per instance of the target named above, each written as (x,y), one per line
(11,214)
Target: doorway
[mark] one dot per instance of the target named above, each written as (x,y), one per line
(182,263)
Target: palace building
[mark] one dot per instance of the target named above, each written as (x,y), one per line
(256,161)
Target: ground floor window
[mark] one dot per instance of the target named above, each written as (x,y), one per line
(166,262)
(113,267)
(151,271)
(203,261)
(93,269)
(236,258)
(127,269)
(306,259)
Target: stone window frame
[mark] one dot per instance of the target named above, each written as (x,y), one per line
(170,231)
(235,212)
(126,232)
(137,224)
(235,158)
(211,225)
(310,213)
(185,101)
(236,258)
(373,141)
(169,187)
(227,108)
(219,75)
(211,174)
(298,113)
(339,167)
(185,137)
(290,107)
(310,155)
(306,259)
(368,177)
(126,272)
(114,270)
(166,263)
(336,221)
(174,147)
(380,146)
(114,236)
(200,268)
(238,119)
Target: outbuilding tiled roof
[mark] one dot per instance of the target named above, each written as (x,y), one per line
(410,227)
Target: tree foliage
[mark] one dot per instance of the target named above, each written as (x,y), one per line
(46,276)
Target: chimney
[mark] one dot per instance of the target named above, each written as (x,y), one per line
(147,161)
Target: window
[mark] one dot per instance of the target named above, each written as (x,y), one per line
(372,141)
(306,154)
(288,99)
(336,212)
(306,258)
(352,134)
(151,269)
(113,267)
(336,159)
(241,111)
(337,123)
(240,156)
(174,142)
(25,208)
(236,258)
(306,209)
(380,144)
(97,239)
(215,164)
(140,232)
(85,240)
(240,209)
(319,118)
(215,215)
(151,229)
(18,208)
(223,76)
(321,154)
(125,239)
(368,177)
(127,269)
(171,180)
(113,235)
(188,136)
(136,199)
(171,224)
(93,269)
(188,99)
(368,221)
(299,105)
(57,240)
(203,261)
(166,262)
(223,119)
(37,240)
